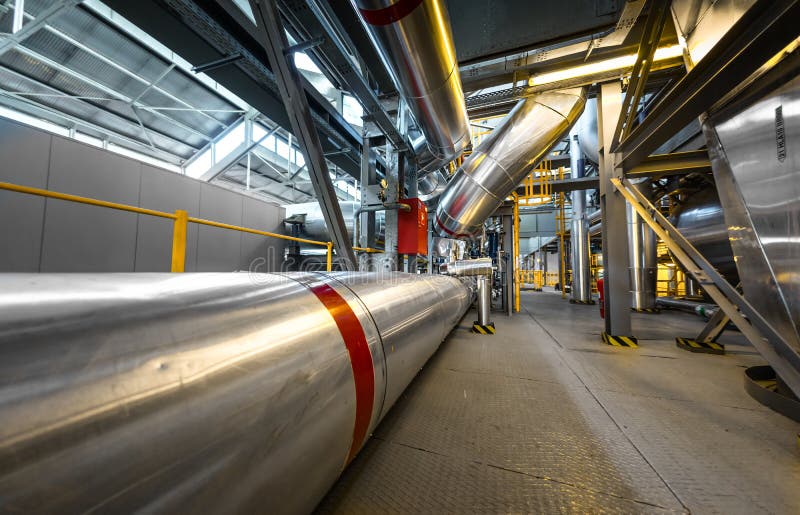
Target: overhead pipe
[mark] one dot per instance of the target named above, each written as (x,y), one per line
(415,42)
(504,158)
(203,393)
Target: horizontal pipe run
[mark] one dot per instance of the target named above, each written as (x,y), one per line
(203,393)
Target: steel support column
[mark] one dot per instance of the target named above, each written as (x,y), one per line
(616,281)
(294,98)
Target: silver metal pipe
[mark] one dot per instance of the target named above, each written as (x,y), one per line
(416,44)
(468,267)
(431,186)
(504,158)
(642,255)
(386,206)
(484,300)
(579,235)
(206,393)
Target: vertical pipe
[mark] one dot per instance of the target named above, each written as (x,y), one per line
(484,300)
(579,239)
(642,255)
(330,257)
(179,227)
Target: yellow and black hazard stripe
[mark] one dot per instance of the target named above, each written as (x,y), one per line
(695,346)
(620,341)
(646,310)
(589,302)
(483,329)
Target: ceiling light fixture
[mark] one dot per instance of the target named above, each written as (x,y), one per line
(607,65)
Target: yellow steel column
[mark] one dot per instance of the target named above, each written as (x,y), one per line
(330,256)
(516,252)
(179,240)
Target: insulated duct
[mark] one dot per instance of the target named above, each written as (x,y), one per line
(504,158)
(203,393)
(416,44)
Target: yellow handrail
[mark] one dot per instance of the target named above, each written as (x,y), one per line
(180,221)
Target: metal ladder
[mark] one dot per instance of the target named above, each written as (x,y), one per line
(783,358)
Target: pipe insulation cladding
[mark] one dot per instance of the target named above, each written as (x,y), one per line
(504,158)
(415,42)
(203,393)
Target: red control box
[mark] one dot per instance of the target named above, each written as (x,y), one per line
(412,228)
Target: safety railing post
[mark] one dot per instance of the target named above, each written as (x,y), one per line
(330,256)
(179,240)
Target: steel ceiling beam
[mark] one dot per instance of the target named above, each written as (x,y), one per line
(109,91)
(654,26)
(289,82)
(677,163)
(203,30)
(106,130)
(31,28)
(763,31)
(314,19)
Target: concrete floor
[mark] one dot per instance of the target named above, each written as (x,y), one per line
(544,418)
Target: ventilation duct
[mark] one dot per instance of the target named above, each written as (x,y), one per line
(504,158)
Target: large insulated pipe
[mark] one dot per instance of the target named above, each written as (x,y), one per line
(416,44)
(203,393)
(504,158)
(579,235)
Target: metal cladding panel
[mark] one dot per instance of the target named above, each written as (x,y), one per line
(756,162)
(82,238)
(260,253)
(24,160)
(412,228)
(165,191)
(219,249)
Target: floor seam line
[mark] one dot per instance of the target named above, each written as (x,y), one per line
(534,476)
(608,414)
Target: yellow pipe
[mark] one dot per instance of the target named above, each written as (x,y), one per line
(368,250)
(82,200)
(180,217)
(179,240)
(254,231)
(330,256)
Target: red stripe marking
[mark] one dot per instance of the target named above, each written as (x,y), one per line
(448,231)
(360,360)
(391,14)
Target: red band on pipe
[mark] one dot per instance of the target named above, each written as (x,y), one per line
(391,14)
(360,360)
(441,226)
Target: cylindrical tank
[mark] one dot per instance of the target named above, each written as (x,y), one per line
(202,393)
(701,221)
